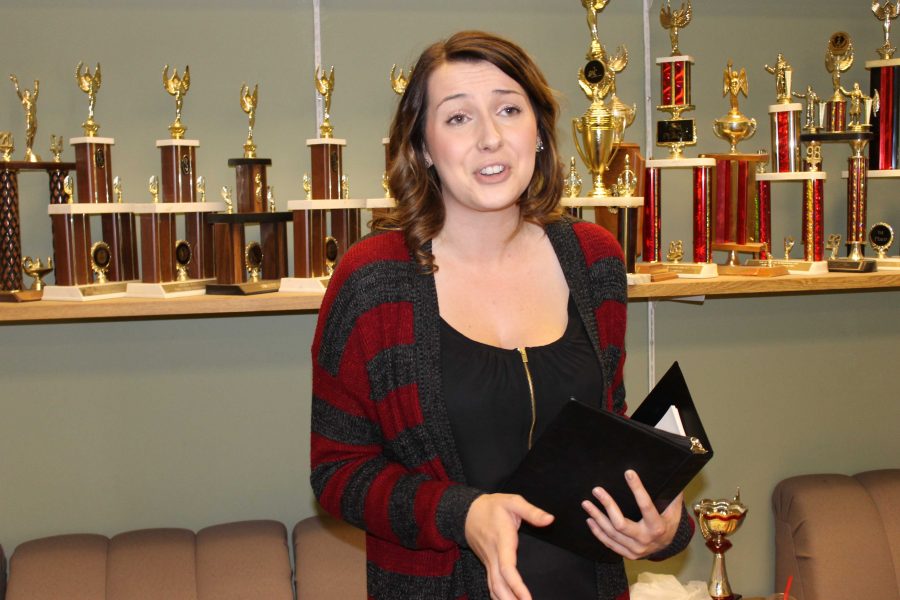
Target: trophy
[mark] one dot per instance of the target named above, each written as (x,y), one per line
(881,238)
(785,119)
(719,519)
(28,98)
(838,58)
(883,79)
(572,183)
(675,89)
(89,84)
(321,238)
(100,261)
(257,267)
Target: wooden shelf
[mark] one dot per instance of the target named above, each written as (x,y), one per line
(219,306)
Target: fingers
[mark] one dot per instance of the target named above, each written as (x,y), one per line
(532,514)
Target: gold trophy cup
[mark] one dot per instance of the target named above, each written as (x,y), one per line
(734,127)
(718,520)
(596,133)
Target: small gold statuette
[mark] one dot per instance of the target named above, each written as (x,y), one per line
(69,189)
(719,519)
(89,84)
(249,102)
(572,183)
(100,260)
(675,20)
(177,87)
(253,258)
(6,145)
(386,184)
(325,87)
(813,156)
(885,12)
(345,187)
(153,188)
(833,243)
(56,147)
(859,113)
(33,268)
(28,98)
(226,197)
(782,72)
(593,7)
(117,189)
(626,184)
(734,127)
(676,251)
(307,186)
(812,102)
(788,246)
(838,58)
(270,198)
(399,81)
(183,256)
(201,188)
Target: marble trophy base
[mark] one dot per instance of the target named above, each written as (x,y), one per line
(247,288)
(888,263)
(754,271)
(21,296)
(794,267)
(169,289)
(682,270)
(850,265)
(651,271)
(304,284)
(86,293)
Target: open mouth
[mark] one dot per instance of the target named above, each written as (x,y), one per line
(492,170)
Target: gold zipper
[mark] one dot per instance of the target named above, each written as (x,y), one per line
(531,393)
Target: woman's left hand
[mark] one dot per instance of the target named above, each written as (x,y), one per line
(633,540)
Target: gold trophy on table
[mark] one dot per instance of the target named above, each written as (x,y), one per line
(719,519)
(734,126)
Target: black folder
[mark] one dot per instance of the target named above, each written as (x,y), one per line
(586,447)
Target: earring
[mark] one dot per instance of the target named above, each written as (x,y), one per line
(539,147)
(428,162)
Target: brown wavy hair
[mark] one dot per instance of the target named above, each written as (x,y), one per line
(419,213)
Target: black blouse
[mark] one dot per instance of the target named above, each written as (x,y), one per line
(489,405)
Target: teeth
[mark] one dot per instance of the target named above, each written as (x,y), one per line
(492,170)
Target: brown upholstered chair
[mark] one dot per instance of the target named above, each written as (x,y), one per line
(235,561)
(329,560)
(839,535)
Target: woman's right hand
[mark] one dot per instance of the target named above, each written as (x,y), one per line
(492,532)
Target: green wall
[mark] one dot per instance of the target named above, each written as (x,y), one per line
(112,426)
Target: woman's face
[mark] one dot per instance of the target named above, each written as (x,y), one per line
(481,133)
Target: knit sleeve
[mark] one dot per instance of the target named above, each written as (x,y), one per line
(370,459)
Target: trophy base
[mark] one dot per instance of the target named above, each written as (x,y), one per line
(794,267)
(21,296)
(655,271)
(847,265)
(753,271)
(693,270)
(86,293)
(248,288)
(636,278)
(304,284)
(171,289)
(888,264)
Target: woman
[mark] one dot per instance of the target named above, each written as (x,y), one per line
(448,341)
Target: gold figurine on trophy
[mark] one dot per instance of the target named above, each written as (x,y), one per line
(838,58)
(37,271)
(89,83)
(56,147)
(734,127)
(178,87)
(6,145)
(593,7)
(249,102)
(861,108)
(782,72)
(399,81)
(675,20)
(28,98)
(325,87)
(885,13)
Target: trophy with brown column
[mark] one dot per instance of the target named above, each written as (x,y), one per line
(87,269)
(172,267)
(598,136)
(380,206)
(318,247)
(256,267)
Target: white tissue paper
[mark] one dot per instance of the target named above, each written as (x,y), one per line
(655,586)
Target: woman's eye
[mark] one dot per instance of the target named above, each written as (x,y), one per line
(510,110)
(456,119)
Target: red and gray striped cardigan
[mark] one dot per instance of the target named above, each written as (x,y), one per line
(382,451)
